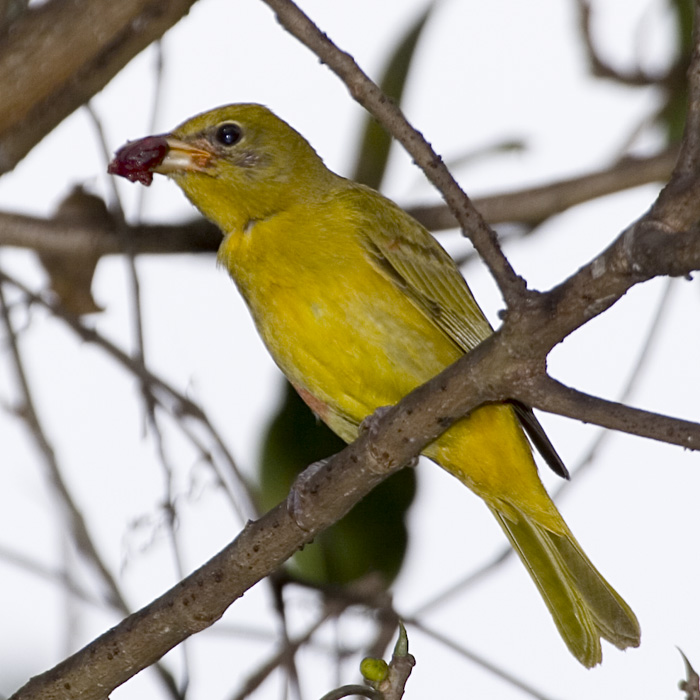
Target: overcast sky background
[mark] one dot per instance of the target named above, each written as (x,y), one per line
(484,72)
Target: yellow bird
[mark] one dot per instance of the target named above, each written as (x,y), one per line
(358,305)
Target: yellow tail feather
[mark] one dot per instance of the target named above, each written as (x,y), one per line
(584,606)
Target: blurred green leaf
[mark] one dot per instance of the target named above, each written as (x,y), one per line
(371,538)
(672,114)
(373,153)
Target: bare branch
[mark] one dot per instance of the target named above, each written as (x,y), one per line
(369,95)
(327,494)
(55,236)
(200,599)
(81,536)
(552,396)
(532,205)
(646,249)
(602,69)
(45,74)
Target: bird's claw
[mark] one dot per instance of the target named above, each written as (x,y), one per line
(370,425)
(298,496)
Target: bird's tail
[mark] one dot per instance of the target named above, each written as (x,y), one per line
(584,606)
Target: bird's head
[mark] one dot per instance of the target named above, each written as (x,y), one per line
(237,164)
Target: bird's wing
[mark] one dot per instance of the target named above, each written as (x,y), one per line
(539,439)
(402,250)
(409,255)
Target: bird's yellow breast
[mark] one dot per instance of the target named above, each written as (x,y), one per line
(336,326)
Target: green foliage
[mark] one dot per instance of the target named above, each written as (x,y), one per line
(672,114)
(371,538)
(374,670)
(373,153)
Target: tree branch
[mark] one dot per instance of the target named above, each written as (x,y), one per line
(370,96)
(530,205)
(59,237)
(324,495)
(602,69)
(200,599)
(533,205)
(678,204)
(550,395)
(45,74)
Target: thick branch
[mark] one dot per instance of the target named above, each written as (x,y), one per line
(200,599)
(325,494)
(45,73)
(646,249)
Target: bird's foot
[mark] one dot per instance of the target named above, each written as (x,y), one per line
(304,486)
(370,425)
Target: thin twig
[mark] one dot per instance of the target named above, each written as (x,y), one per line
(168,505)
(370,96)
(176,403)
(281,657)
(346,691)
(602,69)
(81,535)
(170,511)
(129,256)
(479,660)
(157,46)
(41,571)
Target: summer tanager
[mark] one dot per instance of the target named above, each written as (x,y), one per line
(358,305)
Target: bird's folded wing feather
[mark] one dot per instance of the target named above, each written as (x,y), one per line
(406,253)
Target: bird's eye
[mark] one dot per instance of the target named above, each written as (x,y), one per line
(228,134)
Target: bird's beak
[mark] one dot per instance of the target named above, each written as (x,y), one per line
(183,157)
(165,154)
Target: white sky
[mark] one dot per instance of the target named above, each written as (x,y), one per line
(484,72)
